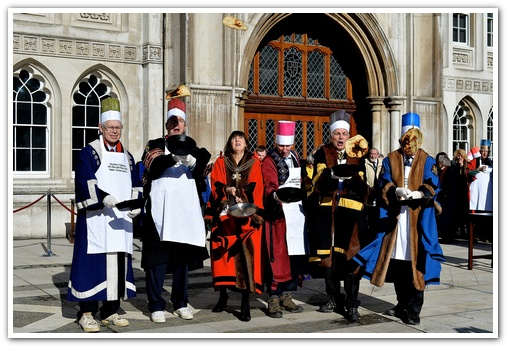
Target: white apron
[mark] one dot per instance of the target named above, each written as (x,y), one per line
(481,191)
(294,216)
(110,230)
(401,249)
(175,207)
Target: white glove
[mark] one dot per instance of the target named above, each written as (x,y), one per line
(403,193)
(134,213)
(178,158)
(109,201)
(189,161)
(416,195)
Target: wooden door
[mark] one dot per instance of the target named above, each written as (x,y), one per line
(310,130)
(295,78)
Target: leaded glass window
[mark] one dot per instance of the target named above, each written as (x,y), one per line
(252,134)
(86,113)
(270,134)
(310,138)
(309,70)
(30,124)
(292,80)
(298,139)
(268,74)
(461,131)
(315,84)
(338,81)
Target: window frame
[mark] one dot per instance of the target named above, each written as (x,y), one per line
(456,143)
(459,29)
(33,174)
(489,30)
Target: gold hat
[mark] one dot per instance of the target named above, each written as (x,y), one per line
(234,23)
(178,92)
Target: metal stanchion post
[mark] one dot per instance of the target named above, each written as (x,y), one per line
(49,253)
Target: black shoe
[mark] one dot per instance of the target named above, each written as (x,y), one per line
(413,319)
(395,312)
(244,315)
(329,307)
(353,315)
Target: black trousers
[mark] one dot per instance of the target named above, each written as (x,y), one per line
(408,297)
(108,308)
(350,285)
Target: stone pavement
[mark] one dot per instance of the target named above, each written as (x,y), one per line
(466,301)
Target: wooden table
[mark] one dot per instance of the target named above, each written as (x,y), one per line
(473,217)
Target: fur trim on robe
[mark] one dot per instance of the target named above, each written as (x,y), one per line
(425,250)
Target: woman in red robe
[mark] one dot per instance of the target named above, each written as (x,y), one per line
(236,177)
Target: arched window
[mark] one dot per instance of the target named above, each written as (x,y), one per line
(461,128)
(86,113)
(30,124)
(295,78)
(309,70)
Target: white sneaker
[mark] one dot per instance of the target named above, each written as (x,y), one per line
(184,313)
(89,324)
(158,317)
(114,319)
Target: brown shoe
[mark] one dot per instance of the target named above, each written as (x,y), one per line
(287,303)
(274,310)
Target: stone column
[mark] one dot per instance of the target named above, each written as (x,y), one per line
(393,105)
(376,118)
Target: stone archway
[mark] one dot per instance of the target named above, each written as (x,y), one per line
(365,58)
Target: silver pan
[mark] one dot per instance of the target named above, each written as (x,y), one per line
(243,209)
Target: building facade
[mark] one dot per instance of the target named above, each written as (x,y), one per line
(377,66)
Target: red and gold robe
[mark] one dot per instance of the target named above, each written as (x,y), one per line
(236,241)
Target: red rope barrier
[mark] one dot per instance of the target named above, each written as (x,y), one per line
(36,201)
(68,209)
(33,203)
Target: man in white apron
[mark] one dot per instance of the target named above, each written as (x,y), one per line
(174,233)
(285,230)
(406,251)
(481,188)
(101,267)
(480,172)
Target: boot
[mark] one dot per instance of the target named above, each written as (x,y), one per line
(353,315)
(244,315)
(287,303)
(222,301)
(274,310)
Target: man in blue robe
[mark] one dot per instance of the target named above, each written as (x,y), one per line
(101,268)
(406,251)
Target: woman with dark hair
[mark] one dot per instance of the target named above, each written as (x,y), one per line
(236,178)
(460,164)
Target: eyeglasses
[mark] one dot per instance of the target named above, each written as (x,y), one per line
(110,129)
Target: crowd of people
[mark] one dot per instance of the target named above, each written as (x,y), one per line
(272,218)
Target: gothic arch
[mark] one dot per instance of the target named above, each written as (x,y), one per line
(108,77)
(364,33)
(478,123)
